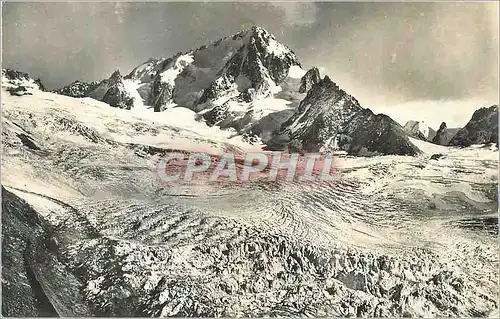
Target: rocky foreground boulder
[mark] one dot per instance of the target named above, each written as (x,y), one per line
(481,129)
(34,282)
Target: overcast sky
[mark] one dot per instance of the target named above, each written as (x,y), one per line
(391,56)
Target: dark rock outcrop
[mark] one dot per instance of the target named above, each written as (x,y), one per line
(444,134)
(22,227)
(40,84)
(318,118)
(311,77)
(367,134)
(11,74)
(481,129)
(255,67)
(112,91)
(216,114)
(77,89)
(19,91)
(436,156)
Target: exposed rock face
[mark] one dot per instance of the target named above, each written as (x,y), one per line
(19,82)
(482,128)
(40,84)
(259,64)
(311,77)
(77,89)
(444,134)
(216,114)
(367,134)
(420,130)
(14,75)
(34,281)
(248,65)
(437,156)
(22,228)
(244,67)
(318,118)
(112,91)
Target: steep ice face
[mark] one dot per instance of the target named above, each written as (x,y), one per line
(146,71)
(131,88)
(170,74)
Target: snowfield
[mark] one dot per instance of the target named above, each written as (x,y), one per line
(395,236)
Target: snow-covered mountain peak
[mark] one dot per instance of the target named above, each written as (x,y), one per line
(250,64)
(419,129)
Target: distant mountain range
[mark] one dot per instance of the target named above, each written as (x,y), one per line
(251,83)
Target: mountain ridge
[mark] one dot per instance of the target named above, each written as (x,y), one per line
(250,83)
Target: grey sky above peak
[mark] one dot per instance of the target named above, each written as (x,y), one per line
(382,53)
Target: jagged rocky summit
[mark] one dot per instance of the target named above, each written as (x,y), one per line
(251,83)
(444,134)
(329,119)
(309,79)
(481,129)
(420,130)
(248,65)
(318,118)
(112,91)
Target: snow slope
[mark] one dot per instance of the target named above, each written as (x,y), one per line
(395,236)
